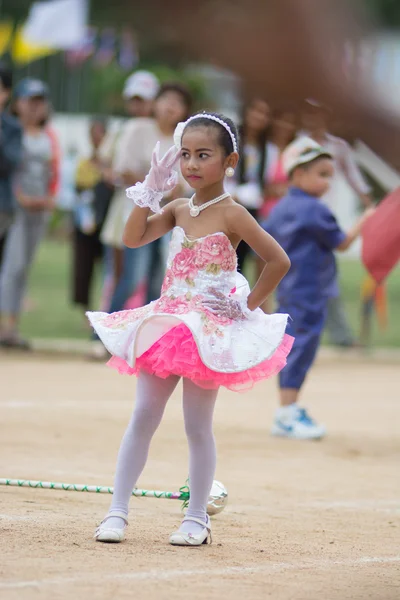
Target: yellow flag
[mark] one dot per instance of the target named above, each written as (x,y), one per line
(6,29)
(24,52)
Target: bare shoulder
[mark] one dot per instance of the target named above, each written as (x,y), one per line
(179,203)
(242,226)
(237,216)
(172,208)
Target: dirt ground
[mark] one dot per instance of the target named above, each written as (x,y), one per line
(305,521)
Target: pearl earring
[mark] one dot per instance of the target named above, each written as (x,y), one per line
(229,172)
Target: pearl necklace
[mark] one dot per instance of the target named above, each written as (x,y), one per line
(196,210)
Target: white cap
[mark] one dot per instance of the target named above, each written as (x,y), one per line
(142,84)
(302,151)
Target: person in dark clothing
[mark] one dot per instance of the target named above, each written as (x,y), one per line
(249,180)
(93,196)
(10,154)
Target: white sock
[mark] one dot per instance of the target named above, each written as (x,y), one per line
(287,413)
(152,395)
(198,410)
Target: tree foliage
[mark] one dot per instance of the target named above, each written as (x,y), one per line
(386,11)
(120,11)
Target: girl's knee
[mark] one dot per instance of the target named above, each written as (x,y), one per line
(199,432)
(144,421)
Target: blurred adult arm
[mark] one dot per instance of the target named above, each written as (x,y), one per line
(353,175)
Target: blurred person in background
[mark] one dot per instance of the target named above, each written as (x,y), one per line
(67,193)
(315,122)
(247,186)
(172,105)
(139,93)
(92,198)
(10,154)
(35,185)
(281,133)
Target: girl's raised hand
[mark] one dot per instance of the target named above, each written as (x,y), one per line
(161,179)
(163,176)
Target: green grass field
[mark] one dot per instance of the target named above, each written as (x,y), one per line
(50,313)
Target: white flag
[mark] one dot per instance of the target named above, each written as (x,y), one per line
(57,24)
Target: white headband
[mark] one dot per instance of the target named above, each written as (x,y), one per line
(180,128)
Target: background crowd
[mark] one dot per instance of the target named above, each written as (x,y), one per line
(30,179)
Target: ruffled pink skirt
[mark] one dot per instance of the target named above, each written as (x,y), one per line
(176,353)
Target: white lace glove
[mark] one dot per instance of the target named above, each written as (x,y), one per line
(161,178)
(227,307)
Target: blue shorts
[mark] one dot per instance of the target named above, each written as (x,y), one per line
(306,326)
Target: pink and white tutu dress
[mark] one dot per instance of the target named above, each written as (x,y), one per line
(177,334)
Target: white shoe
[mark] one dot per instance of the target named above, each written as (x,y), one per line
(181,538)
(295,423)
(111,534)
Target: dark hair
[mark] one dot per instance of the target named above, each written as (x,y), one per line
(6,76)
(224,138)
(178,88)
(278,113)
(261,146)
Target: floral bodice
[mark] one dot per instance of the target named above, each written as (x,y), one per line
(193,268)
(196,265)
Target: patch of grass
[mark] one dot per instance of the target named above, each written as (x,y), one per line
(53,316)
(50,312)
(352,274)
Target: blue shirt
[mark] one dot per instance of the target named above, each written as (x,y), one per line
(308,232)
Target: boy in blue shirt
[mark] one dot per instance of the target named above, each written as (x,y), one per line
(309,233)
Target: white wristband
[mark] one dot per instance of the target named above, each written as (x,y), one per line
(144,197)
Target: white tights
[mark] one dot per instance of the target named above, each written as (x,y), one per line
(152,396)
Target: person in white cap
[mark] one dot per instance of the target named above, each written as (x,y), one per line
(307,230)
(139,93)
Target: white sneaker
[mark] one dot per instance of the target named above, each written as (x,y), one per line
(295,423)
(108,534)
(181,538)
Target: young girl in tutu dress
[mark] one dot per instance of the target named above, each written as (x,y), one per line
(206,328)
